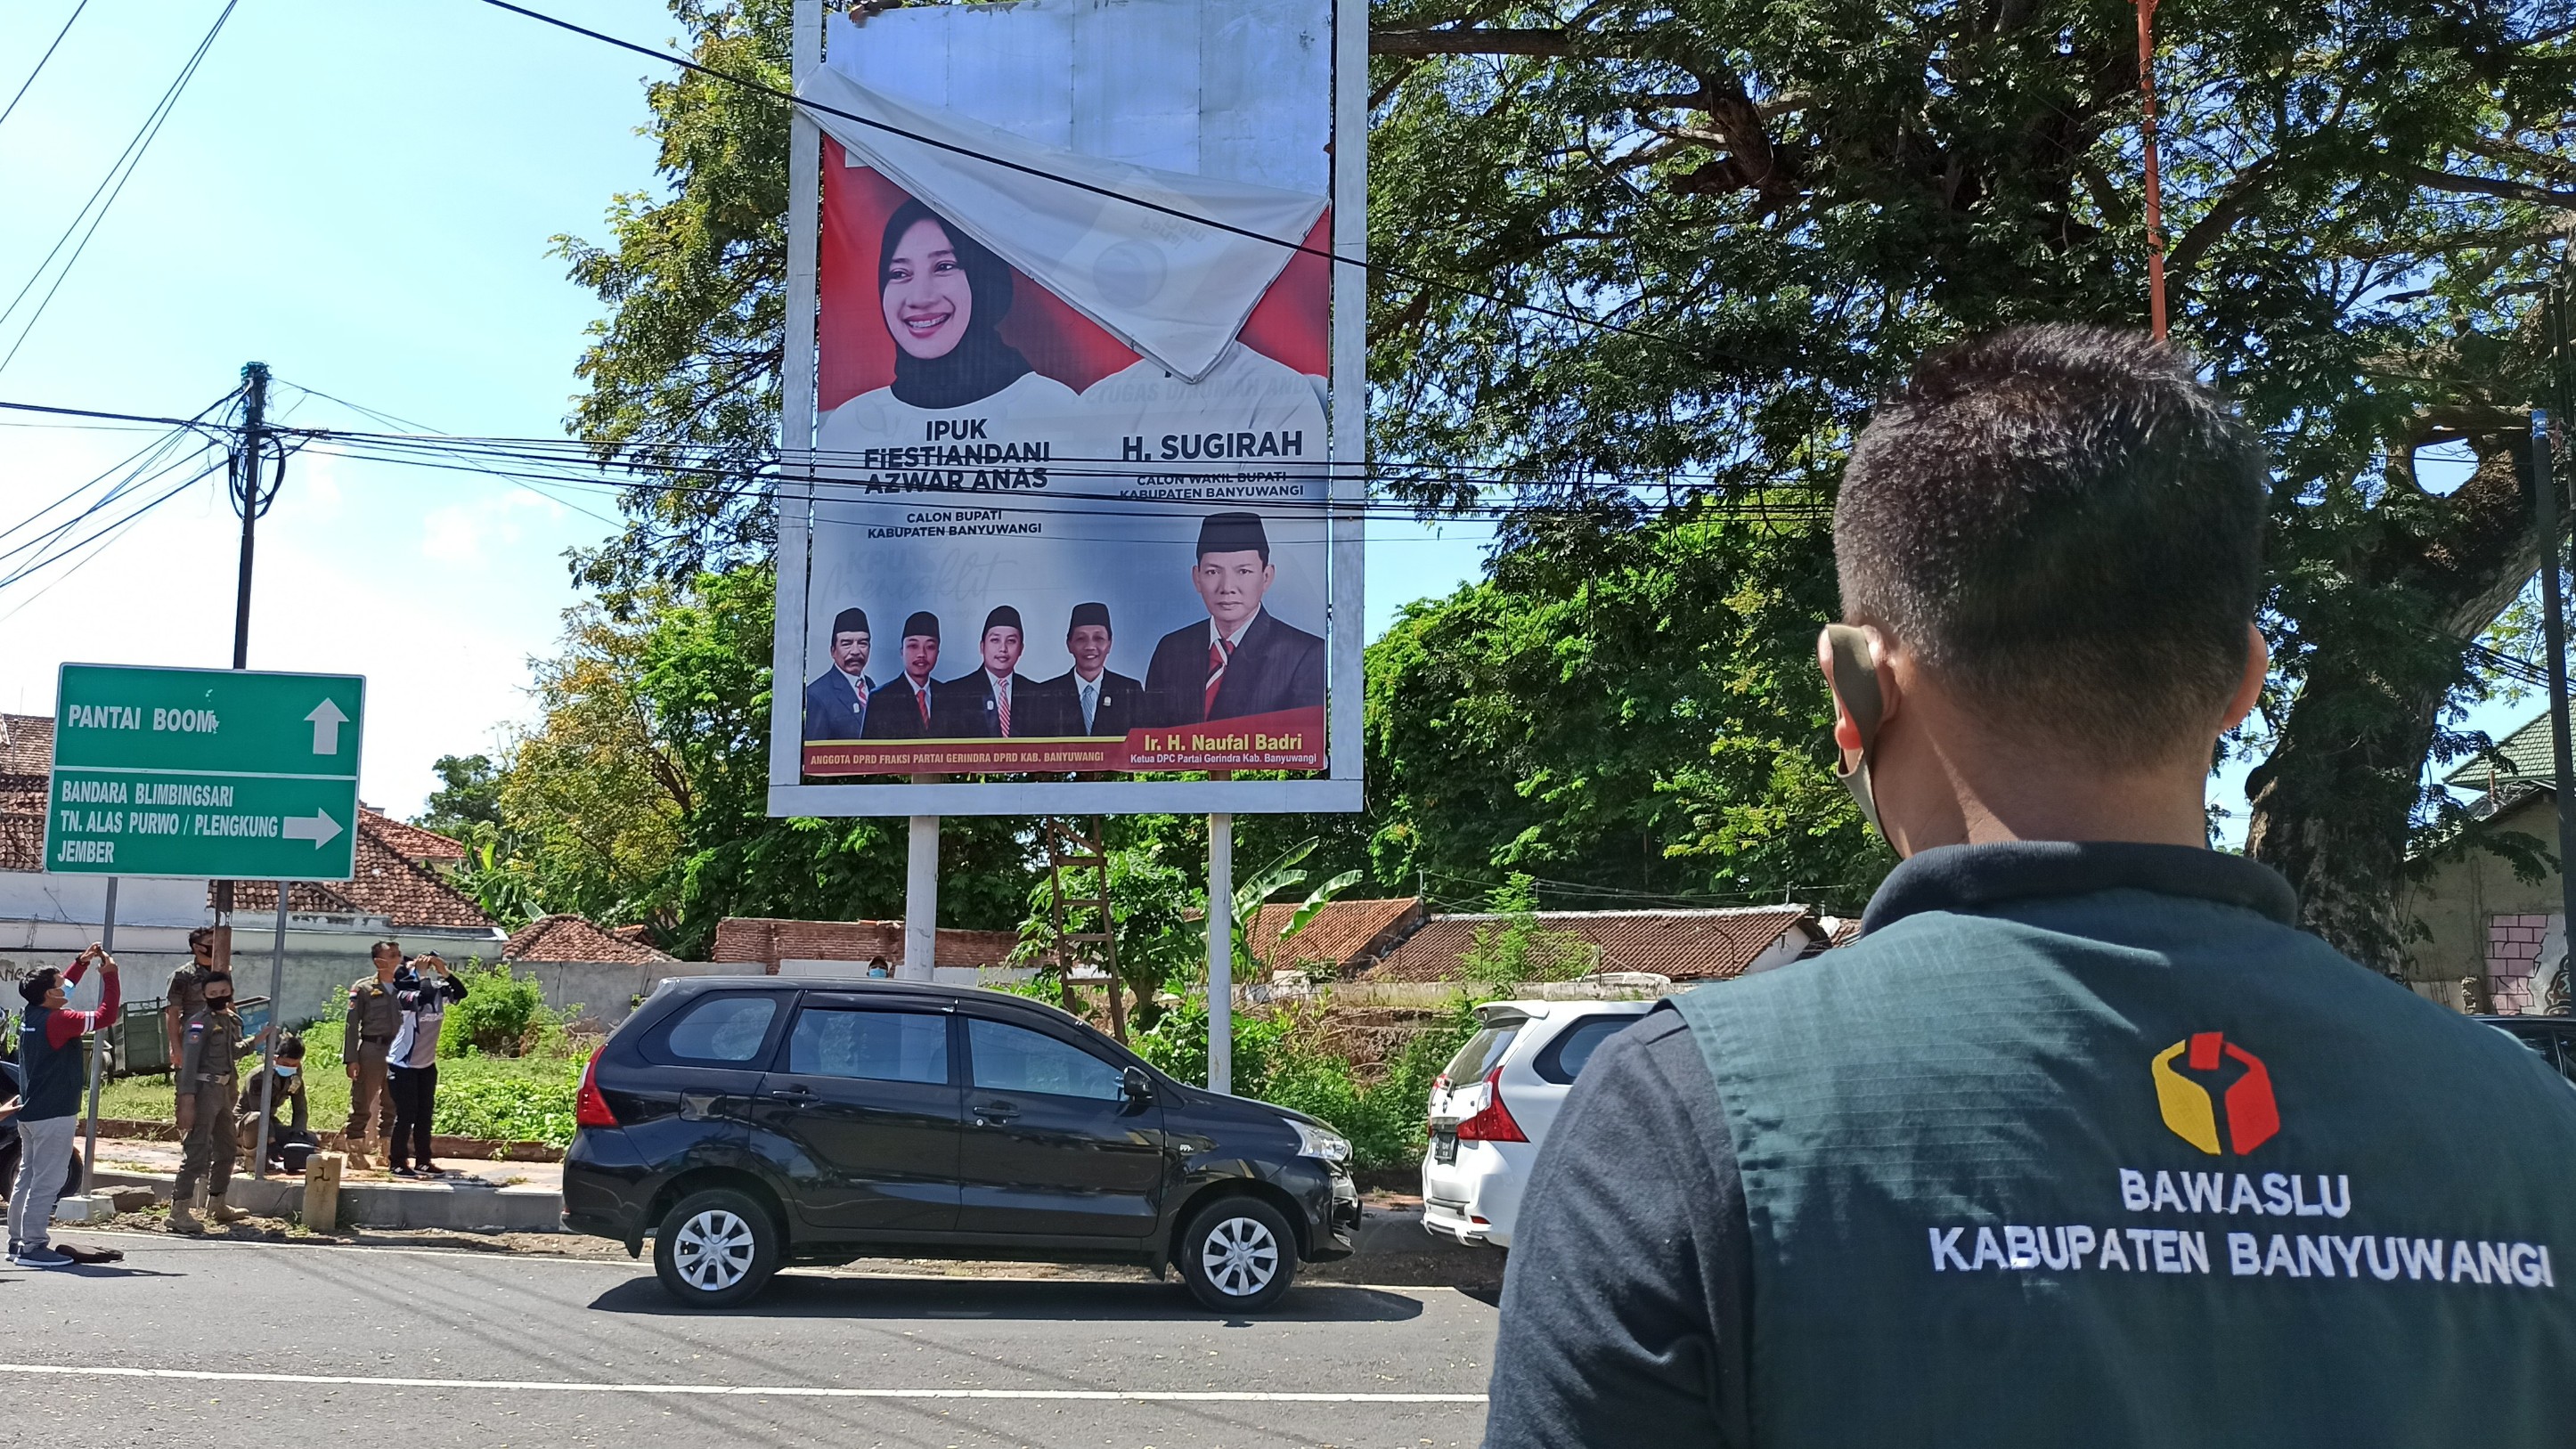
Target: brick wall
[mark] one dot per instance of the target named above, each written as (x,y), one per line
(766,941)
(2513,949)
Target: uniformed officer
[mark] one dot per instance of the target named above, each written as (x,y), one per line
(2083,1141)
(210,1051)
(368,1031)
(180,999)
(287,1115)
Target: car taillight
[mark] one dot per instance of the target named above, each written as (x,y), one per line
(1493,1122)
(589,1109)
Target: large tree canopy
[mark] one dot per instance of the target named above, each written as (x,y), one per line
(1780,206)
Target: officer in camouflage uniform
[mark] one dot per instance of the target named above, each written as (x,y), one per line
(181,998)
(374,1017)
(211,1047)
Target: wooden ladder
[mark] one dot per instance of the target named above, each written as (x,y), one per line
(1072,849)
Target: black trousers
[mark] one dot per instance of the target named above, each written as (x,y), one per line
(413,1089)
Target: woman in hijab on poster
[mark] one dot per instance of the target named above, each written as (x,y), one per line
(943,296)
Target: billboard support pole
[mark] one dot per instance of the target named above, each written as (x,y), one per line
(98,1050)
(1220,958)
(792,498)
(921,901)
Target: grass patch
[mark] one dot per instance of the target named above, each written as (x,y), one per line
(514,1099)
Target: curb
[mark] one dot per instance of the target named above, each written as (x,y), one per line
(465,1207)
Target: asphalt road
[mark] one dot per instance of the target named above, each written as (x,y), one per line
(219,1344)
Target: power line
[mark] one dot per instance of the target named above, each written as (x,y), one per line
(37,565)
(574,452)
(120,529)
(1399,273)
(402,422)
(120,172)
(6,111)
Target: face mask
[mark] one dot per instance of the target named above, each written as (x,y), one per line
(1855,675)
(284,1070)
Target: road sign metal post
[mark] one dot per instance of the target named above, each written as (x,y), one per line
(1220,958)
(268,1058)
(98,1050)
(204,773)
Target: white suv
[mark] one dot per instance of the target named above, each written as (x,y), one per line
(1495,1103)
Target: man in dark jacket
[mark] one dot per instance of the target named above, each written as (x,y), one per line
(908,706)
(836,703)
(1090,698)
(993,702)
(1242,660)
(2083,1141)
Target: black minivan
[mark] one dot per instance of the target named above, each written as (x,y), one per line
(744,1121)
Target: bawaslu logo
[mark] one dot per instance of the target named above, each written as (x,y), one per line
(2202,1083)
(2253,1115)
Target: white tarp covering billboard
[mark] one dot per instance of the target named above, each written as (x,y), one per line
(1073,468)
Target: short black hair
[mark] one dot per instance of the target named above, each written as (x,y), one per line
(381,947)
(37,984)
(2066,527)
(290,1048)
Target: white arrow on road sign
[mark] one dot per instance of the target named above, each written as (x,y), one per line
(327,720)
(319,828)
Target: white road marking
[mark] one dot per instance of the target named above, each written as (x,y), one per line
(784,1391)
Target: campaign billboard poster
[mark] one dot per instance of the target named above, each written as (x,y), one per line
(1069,516)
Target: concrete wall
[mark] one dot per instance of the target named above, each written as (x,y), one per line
(46,920)
(2460,895)
(608,990)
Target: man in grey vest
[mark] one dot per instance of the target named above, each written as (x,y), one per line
(2083,1141)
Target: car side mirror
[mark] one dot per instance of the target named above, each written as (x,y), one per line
(1140,1088)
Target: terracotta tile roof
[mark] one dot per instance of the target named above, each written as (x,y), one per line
(386,884)
(22,842)
(770,940)
(1842,930)
(26,744)
(1337,934)
(426,846)
(575,938)
(1684,945)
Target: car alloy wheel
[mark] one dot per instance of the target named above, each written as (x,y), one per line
(714,1250)
(1240,1256)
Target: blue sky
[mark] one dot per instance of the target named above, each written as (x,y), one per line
(359,193)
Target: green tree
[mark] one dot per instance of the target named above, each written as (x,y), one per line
(468,794)
(1519,947)
(1151,904)
(642,794)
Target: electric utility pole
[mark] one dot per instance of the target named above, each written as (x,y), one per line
(251,500)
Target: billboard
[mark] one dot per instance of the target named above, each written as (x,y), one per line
(1070,520)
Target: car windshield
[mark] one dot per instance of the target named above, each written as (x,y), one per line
(1483,1052)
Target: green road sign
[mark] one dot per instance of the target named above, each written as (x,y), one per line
(205,772)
